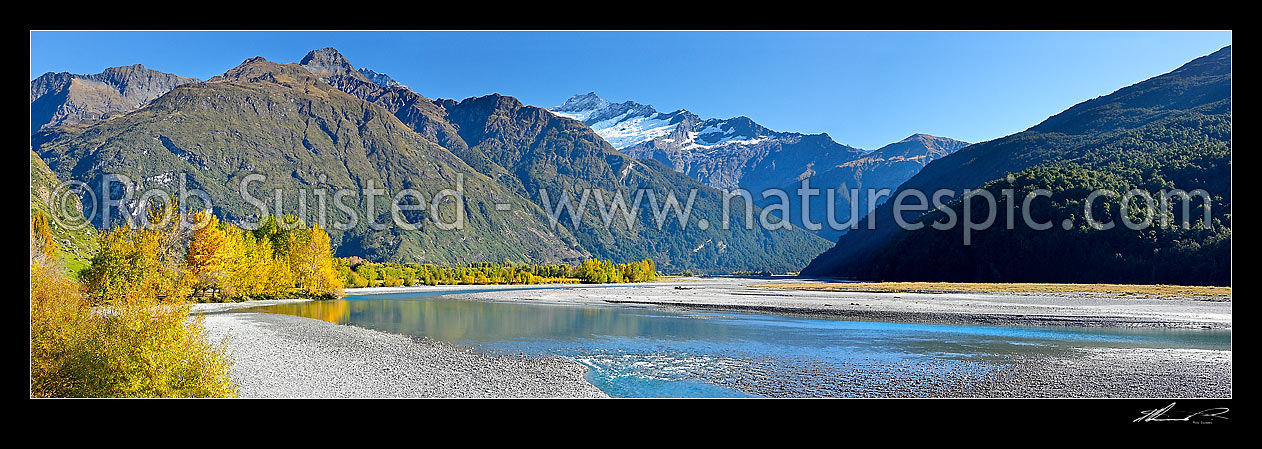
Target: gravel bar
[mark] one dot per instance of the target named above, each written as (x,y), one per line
(282,356)
(744,295)
(1113,373)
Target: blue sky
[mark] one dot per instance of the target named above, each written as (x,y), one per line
(864,89)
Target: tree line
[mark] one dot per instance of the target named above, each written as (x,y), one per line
(216,261)
(355,272)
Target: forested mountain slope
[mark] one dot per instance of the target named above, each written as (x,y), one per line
(1169,132)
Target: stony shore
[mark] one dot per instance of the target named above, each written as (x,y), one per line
(1112,373)
(282,356)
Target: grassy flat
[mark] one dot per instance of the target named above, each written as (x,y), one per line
(1159,291)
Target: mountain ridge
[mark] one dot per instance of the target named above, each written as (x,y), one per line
(1098,141)
(280,120)
(67,99)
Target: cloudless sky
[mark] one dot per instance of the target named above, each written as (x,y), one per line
(865,89)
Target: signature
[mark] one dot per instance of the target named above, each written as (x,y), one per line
(1160,415)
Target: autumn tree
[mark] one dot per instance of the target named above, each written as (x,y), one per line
(311,261)
(210,249)
(140,346)
(138,265)
(42,240)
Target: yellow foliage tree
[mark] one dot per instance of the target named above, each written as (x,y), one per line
(311,262)
(209,250)
(41,235)
(138,265)
(137,343)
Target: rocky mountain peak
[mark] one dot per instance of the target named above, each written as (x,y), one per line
(327,62)
(325,57)
(601,114)
(66,98)
(583,102)
(128,70)
(247,69)
(930,143)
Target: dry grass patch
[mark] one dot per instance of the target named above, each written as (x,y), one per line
(1124,290)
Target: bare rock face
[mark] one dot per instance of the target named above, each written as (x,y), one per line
(69,99)
(328,62)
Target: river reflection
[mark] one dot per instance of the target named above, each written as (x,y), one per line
(462,321)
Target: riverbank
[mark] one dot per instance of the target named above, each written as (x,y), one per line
(219,307)
(363,291)
(739,294)
(282,356)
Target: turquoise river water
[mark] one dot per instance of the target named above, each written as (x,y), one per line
(654,352)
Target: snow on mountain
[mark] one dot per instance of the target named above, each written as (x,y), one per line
(621,124)
(380,79)
(582,107)
(738,152)
(628,124)
(722,153)
(627,130)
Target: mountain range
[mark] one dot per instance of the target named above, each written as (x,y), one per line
(323,124)
(740,153)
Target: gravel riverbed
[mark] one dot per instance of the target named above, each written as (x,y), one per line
(1112,373)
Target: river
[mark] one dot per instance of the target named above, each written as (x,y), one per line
(657,352)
